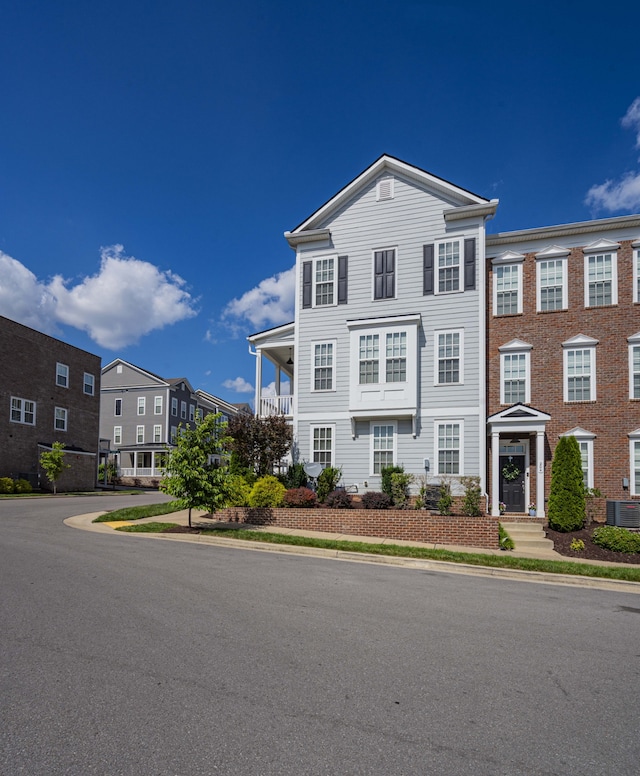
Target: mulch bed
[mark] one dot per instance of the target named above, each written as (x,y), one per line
(562,544)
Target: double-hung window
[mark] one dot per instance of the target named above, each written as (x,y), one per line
(323,366)
(157,433)
(396,357)
(448,266)
(515,372)
(382,446)
(89,383)
(369,358)
(141,405)
(324,281)
(601,274)
(507,283)
(140,434)
(192,412)
(117,435)
(62,375)
(580,369)
(448,447)
(183,410)
(551,287)
(634,450)
(60,419)
(157,405)
(174,406)
(634,366)
(322,444)
(448,357)
(23,411)
(636,272)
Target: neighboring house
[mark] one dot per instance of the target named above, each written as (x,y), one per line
(49,392)
(141,413)
(564,357)
(385,361)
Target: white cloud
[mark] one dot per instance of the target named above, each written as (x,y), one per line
(24,298)
(270,303)
(631,119)
(239,385)
(125,300)
(622,194)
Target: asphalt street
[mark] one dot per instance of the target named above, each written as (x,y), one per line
(124,655)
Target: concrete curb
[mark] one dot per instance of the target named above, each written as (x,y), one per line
(85,522)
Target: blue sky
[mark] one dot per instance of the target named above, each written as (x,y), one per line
(153,153)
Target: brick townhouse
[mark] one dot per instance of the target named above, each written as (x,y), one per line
(563,349)
(49,392)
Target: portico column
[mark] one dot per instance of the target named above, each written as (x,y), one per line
(495,473)
(540,473)
(258,409)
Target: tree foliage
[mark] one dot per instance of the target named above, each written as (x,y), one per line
(52,461)
(192,471)
(258,444)
(567,493)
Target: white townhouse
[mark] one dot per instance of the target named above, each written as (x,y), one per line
(385,361)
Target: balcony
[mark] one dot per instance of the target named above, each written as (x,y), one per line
(276,405)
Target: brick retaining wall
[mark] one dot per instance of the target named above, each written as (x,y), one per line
(411,524)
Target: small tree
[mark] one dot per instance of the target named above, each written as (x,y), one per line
(328,480)
(258,444)
(446,499)
(567,493)
(386,473)
(52,461)
(192,473)
(472,496)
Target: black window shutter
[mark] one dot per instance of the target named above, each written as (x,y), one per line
(390,274)
(307,270)
(427,269)
(470,264)
(342,279)
(378,275)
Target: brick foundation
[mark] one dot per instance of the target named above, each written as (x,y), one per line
(409,524)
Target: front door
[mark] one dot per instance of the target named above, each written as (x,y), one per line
(512,482)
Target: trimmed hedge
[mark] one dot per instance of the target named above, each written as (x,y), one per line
(616,539)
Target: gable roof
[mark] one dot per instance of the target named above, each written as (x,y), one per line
(143,372)
(387,163)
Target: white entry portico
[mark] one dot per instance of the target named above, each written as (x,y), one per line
(517,421)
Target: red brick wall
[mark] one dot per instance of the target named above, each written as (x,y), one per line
(613,415)
(409,524)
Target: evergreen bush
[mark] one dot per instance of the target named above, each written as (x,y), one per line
(327,482)
(22,486)
(617,539)
(268,491)
(566,510)
(400,482)
(6,485)
(296,477)
(446,499)
(472,496)
(386,482)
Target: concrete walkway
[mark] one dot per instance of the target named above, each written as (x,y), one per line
(199,520)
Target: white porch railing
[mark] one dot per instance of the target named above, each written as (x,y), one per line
(141,472)
(276,405)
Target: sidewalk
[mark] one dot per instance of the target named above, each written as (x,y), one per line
(85,522)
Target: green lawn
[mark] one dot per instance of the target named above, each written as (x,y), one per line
(137,513)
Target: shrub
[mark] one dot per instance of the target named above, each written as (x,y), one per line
(22,486)
(6,485)
(446,499)
(400,482)
(566,496)
(299,497)
(577,545)
(376,500)
(296,477)
(327,481)
(339,499)
(616,539)
(386,483)
(238,490)
(472,495)
(268,491)
(506,542)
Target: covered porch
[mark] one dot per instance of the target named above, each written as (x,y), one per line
(142,460)
(517,447)
(274,350)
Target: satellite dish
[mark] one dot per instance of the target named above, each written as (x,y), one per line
(313,469)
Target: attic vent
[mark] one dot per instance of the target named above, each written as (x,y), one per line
(385,189)
(119,369)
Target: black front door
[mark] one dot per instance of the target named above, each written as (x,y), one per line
(512,482)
